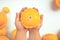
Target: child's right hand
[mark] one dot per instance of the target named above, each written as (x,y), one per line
(21,31)
(18,24)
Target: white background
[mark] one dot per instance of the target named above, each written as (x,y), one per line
(51,18)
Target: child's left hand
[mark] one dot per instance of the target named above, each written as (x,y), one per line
(18,24)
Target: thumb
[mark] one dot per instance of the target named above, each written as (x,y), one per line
(17,16)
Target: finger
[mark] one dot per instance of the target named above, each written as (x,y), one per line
(35,8)
(17,16)
(23,9)
(41,17)
(20,16)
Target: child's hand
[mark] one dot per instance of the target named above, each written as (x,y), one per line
(18,23)
(39,26)
(21,31)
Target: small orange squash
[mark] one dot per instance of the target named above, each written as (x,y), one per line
(14,33)
(57,3)
(3,20)
(30,18)
(4,38)
(5,9)
(3,31)
(50,37)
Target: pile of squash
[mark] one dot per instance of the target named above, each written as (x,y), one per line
(3,22)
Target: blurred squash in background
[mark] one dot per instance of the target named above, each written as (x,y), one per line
(4,38)
(50,37)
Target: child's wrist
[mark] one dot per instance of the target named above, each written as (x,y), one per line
(33,31)
(21,30)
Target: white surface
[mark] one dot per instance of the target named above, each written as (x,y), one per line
(51,19)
